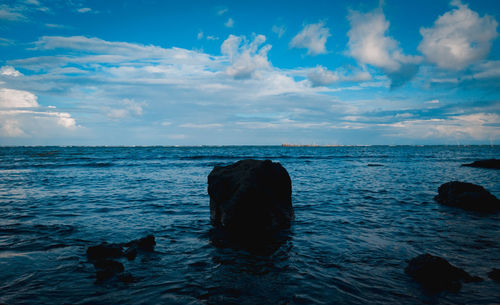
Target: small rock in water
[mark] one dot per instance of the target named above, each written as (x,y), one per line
(467,196)
(494,274)
(436,274)
(487,163)
(106,268)
(104,251)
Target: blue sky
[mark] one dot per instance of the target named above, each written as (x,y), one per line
(255,72)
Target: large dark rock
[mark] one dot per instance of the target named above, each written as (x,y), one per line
(436,274)
(250,197)
(487,163)
(467,196)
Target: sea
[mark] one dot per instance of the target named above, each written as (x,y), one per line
(362,213)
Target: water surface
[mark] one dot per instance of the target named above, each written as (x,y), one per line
(356,225)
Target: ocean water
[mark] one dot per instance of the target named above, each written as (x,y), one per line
(356,225)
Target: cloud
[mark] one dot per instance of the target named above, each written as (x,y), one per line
(6,42)
(11,13)
(246,58)
(486,70)
(11,128)
(22,116)
(20,10)
(97,80)
(229,23)
(9,71)
(208,37)
(10,98)
(94,51)
(57,26)
(321,76)
(222,10)
(84,10)
(176,136)
(129,108)
(209,125)
(279,30)
(458,38)
(479,126)
(369,44)
(313,38)
(432,102)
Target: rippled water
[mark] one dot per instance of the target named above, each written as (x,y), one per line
(356,225)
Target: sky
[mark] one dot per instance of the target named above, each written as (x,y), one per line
(148,72)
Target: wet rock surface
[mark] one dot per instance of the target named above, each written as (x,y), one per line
(486,163)
(494,275)
(104,251)
(104,255)
(250,197)
(436,274)
(467,196)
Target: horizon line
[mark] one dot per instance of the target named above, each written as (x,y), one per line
(258,145)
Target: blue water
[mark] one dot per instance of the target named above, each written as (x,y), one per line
(356,225)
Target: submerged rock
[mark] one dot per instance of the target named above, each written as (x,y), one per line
(486,163)
(126,277)
(467,196)
(436,274)
(130,253)
(146,243)
(106,268)
(109,264)
(104,251)
(250,197)
(494,274)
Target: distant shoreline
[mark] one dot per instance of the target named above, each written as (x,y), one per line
(313,145)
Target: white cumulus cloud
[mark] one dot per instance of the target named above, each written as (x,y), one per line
(313,37)
(246,57)
(22,116)
(370,44)
(458,38)
(128,107)
(10,98)
(9,71)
